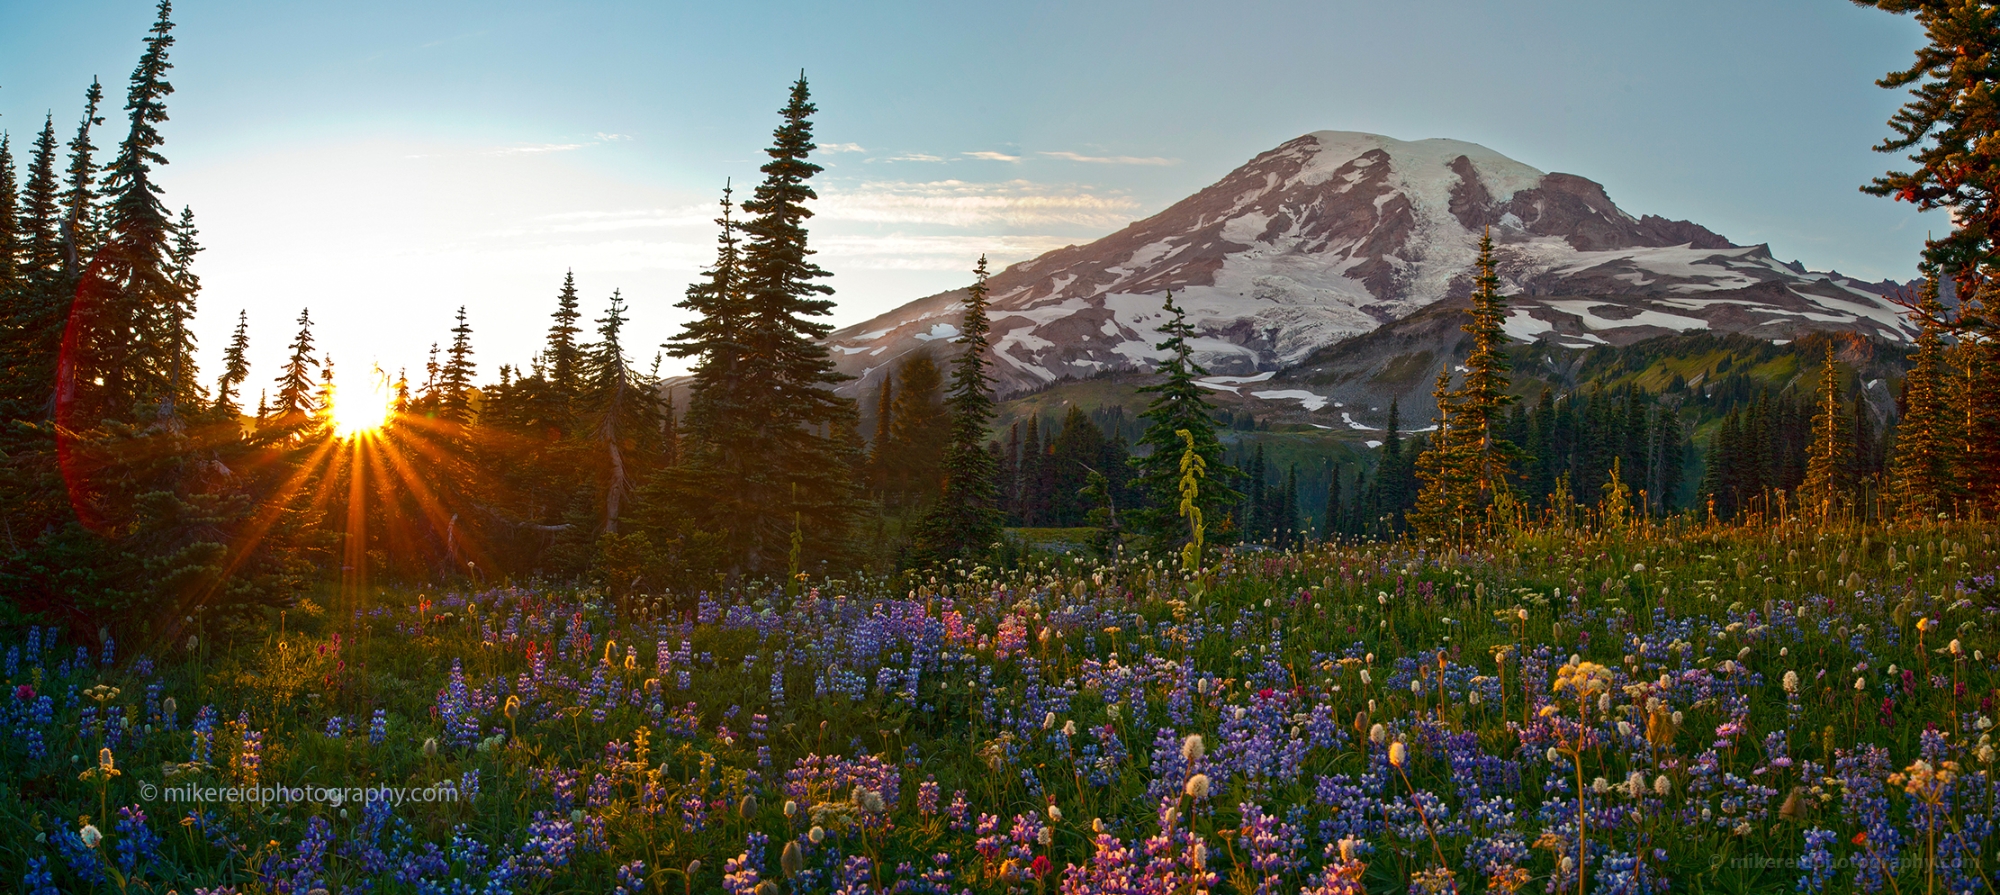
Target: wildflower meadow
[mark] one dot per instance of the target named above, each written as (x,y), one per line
(1642,709)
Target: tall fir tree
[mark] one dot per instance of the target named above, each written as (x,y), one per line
(1951,126)
(1179,404)
(295,382)
(79,225)
(881,454)
(562,357)
(41,214)
(624,408)
(1330,520)
(183,389)
(775,462)
(1470,463)
(455,377)
(125,324)
(235,369)
(11,237)
(1483,396)
(1921,475)
(1826,482)
(713,336)
(919,430)
(966,519)
(1447,506)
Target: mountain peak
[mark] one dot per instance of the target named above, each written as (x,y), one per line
(1328,235)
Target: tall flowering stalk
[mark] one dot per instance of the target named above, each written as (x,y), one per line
(1193,469)
(1585,681)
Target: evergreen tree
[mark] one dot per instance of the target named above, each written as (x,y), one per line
(10,226)
(1256,515)
(180,340)
(1447,506)
(1483,397)
(455,378)
(1031,502)
(1978,393)
(1331,528)
(1392,494)
(918,431)
(235,369)
(625,408)
(32,309)
(1177,404)
(714,337)
(1008,479)
(1952,122)
(1076,451)
(1826,481)
(295,381)
(1470,463)
(41,217)
(126,317)
(880,457)
(80,193)
(1921,477)
(562,357)
(1288,508)
(770,445)
(966,519)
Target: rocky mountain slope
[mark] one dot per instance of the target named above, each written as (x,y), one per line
(1334,234)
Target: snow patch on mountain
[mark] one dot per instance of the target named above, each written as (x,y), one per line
(1335,233)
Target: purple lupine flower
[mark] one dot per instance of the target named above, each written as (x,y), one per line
(137,843)
(739,877)
(204,736)
(38,880)
(631,878)
(1817,863)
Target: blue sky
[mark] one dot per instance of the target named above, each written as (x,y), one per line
(384,163)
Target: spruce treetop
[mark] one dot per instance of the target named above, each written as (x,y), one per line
(562,355)
(1952,122)
(40,216)
(137,215)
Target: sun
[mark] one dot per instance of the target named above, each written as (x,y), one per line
(360,408)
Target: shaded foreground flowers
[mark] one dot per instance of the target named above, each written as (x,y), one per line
(1340,720)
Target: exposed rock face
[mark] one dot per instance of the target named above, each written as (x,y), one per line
(1335,233)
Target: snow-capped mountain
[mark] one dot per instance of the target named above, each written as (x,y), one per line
(1335,233)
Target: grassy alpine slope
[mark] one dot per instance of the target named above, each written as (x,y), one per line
(1759,709)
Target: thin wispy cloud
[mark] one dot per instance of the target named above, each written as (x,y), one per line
(598,139)
(533,148)
(990,156)
(913,157)
(841,147)
(958,203)
(1111,159)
